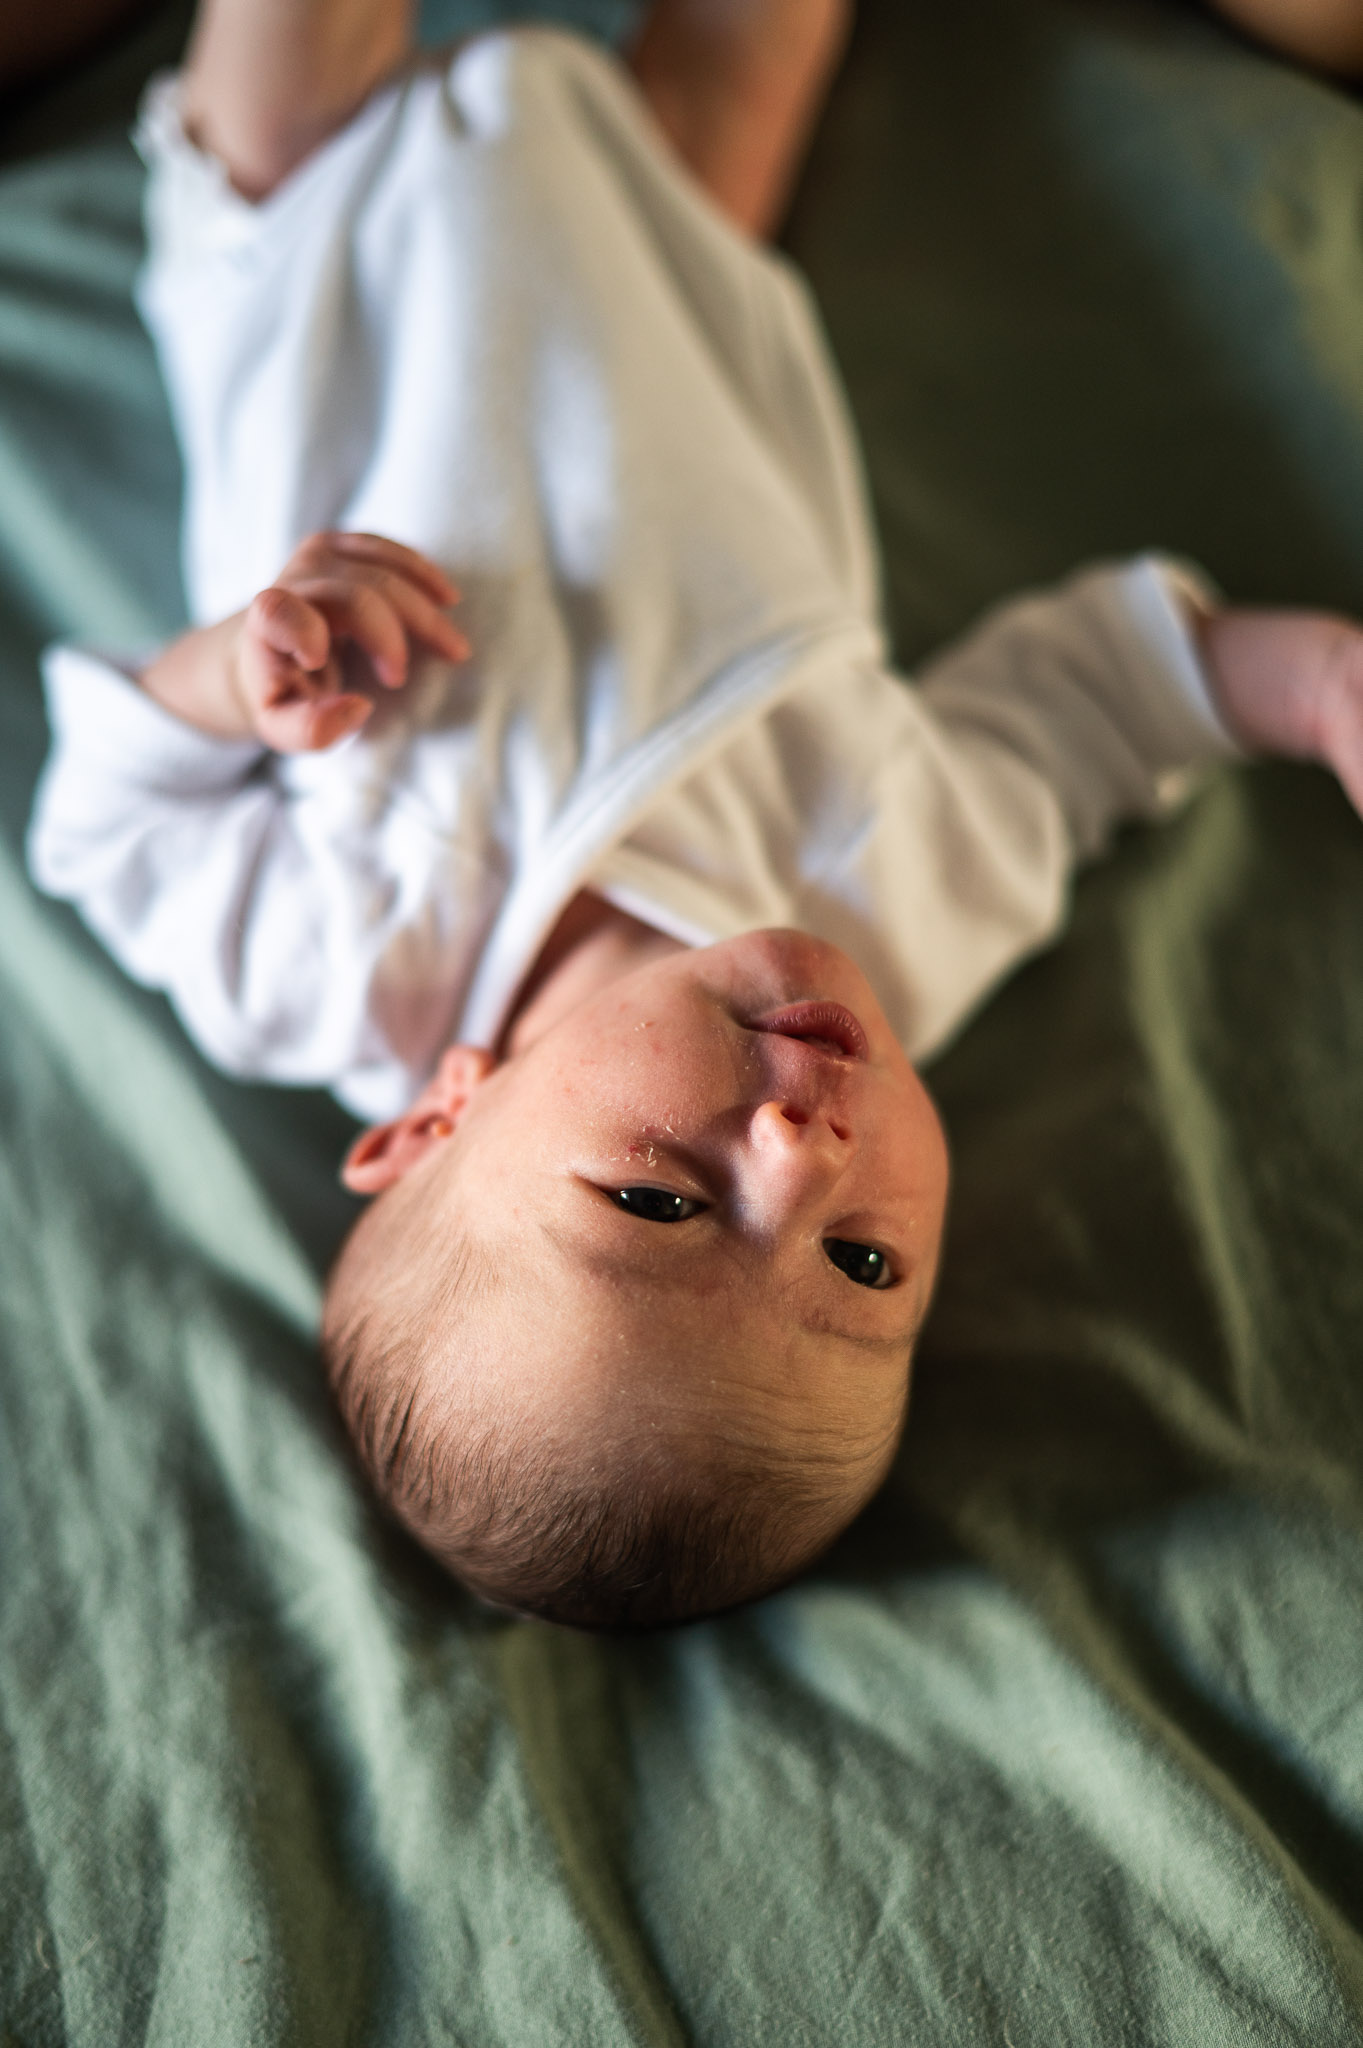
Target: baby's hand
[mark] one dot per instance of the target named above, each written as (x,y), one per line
(339,590)
(1291,683)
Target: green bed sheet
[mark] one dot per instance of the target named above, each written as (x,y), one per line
(1064,1743)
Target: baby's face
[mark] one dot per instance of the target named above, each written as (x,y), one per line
(718,1182)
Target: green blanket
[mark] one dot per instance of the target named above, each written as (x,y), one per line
(1064,1744)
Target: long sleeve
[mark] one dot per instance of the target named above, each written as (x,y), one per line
(1096,686)
(1060,717)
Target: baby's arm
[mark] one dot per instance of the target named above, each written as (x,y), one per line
(276,672)
(736,86)
(1126,674)
(215,871)
(1060,716)
(266,81)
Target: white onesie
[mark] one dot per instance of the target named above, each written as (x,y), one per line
(493,319)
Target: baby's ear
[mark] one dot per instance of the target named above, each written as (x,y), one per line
(385,1152)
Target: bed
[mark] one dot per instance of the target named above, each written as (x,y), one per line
(1064,1741)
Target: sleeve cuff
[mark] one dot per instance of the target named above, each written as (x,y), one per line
(191,204)
(98,713)
(1164,597)
(193,209)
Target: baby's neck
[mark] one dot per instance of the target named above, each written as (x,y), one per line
(592,945)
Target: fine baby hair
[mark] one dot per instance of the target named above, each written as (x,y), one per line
(641,1522)
(641,1538)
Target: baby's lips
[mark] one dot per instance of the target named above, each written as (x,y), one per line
(830,1026)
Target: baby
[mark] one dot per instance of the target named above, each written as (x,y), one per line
(620,908)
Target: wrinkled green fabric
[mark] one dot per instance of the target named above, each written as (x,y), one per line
(1064,1744)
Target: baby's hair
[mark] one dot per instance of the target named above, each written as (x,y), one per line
(658,1528)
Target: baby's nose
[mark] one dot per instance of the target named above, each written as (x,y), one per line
(801,1129)
(795,1157)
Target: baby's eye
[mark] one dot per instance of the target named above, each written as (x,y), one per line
(655,1205)
(860,1262)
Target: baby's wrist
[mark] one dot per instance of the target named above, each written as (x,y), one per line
(1209,637)
(198,679)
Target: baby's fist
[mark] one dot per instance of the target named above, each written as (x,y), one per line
(1291,683)
(339,591)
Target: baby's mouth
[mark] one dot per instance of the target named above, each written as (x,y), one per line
(827,1027)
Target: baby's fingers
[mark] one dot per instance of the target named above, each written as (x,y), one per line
(379,553)
(285,624)
(423,621)
(359,612)
(305,725)
(299,710)
(384,618)
(294,709)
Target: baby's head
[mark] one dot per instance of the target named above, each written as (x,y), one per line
(624,1338)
